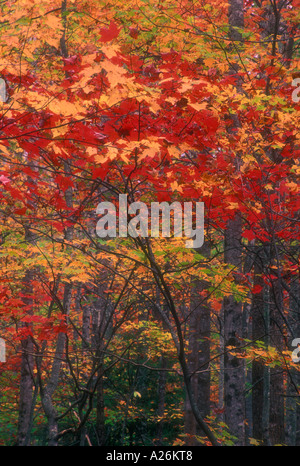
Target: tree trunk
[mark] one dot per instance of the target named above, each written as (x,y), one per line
(100,414)
(48,391)
(293,392)
(161,393)
(234,371)
(192,363)
(277,326)
(258,333)
(100,314)
(26,391)
(203,378)
(26,405)
(199,356)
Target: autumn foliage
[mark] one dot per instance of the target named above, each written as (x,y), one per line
(132,341)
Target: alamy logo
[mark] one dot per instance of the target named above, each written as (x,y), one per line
(2,350)
(139,225)
(3,95)
(296,352)
(295,96)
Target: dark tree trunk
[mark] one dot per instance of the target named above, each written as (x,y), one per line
(161,392)
(26,395)
(192,363)
(258,333)
(277,325)
(100,317)
(204,386)
(100,415)
(234,371)
(26,392)
(292,423)
(199,356)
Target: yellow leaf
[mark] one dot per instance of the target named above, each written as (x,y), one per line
(154,107)
(233,205)
(89,71)
(172,100)
(53,41)
(150,151)
(198,106)
(115,73)
(175,186)
(110,51)
(188,84)
(65,108)
(91,151)
(209,62)
(293,186)
(59,131)
(123,157)
(254,442)
(174,152)
(111,154)
(113,98)
(100,158)
(297,169)
(4,150)
(53,22)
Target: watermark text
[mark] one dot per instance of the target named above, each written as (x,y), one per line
(136,220)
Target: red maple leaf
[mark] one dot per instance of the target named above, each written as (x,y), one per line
(256,289)
(110,33)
